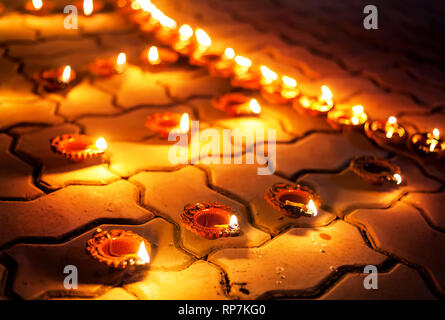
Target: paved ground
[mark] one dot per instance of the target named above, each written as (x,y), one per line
(49,207)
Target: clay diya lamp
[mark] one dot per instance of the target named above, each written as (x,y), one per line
(315,106)
(282,92)
(204,59)
(158,58)
(347,119)
(78,147)
(183,43)
(167,122)
(119,249)
(224,66)
(237,104)
(244,76)
(55,79)
(386,132)
(378,171)
(428,144)
(293,200)
(89,6)
(39,7)
(139,17)
(210,220)
(108,66)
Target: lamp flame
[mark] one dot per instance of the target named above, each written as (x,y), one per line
(233,223)
(66,74)
(268,74)
(289,82)
(167,22)
(312,207)
(88,7)
(358,109)
(101,144)
(398,178)
(203,38)
(390,126)
(38,4)
(229,53)
(436,133)
(326,94)
(143,254)
(243,62)
(185,32)
(434,139)
(153,55)
(121,59)
(254,106)
(184,125)
(392,120)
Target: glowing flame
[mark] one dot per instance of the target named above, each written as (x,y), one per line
(254,106)
(392,120)
(243,62)
(326,94)
(143,254)
(167,22)
(268,74)
(185,32)
(436,133)
(153,55)
(38,4)
(390,126)
(146,5)
(184,125)
(357,110)
(88,7)
(434,139)
(66,74)
(203,38)
(121,59)
(229,53)
(312,207)
(289,82)
(233,223)
(398,178)
(101,144)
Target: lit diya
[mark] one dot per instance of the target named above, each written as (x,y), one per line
(201,44)
(183,43)
(224,66)
(78,147)
(386,131)
(119,249)
(315,106)
(281,92)
(237,104)
(39,7)
(108,66)
(347,118)
(157,58)
(89,6)
(428,143)
(167,122)
(376,170)
(293,200)
(210,220)
(244,76)
(55,79)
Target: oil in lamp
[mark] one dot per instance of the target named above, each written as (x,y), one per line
(167,122)
(39,7)
(347,119)
(210,220)
(110,66)
(243,76)
(386,131)
(428,143)
(237,104)
(78,147)
(293,200)
(376,170)
(282,92)
(55,79)
(119,249)
(315,106)
(159,57)
(224,66)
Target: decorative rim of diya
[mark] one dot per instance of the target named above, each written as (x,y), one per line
(76,147)
(117,248)
(250,80)
(376,170)
(305,106)
(50,79)
(105,67)
(292,199)
(273,93)
(418,144)
(47,7)
(163,122)
(204,59)
(166,57)
(341,119)
(234,104)
(375,130)
(196,217)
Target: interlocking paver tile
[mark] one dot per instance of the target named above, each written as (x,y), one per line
(203,277)
(313,256)
(13,85)
(345,190)
(56,170)
(431,205)
(403,232)
(426,122)
(46,262)
(401,282)
(15,175)
(65,210)
(192,187)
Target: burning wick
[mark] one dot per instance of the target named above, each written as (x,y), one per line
(184,125)
(88,7)
(390,126)
(398,178)
(121,60)
(101,144)
(233,223)
(203,40)
(255,106)
(66,75)
(433,139)
(142,254)
(326,95)
(357,112)
(185,33)
(268,76)
(38,4)
(242,65)
(229,54)
(312,208)
(167,22)
(153,56)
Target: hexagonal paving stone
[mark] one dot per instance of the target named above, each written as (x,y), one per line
(56,170)
(13,86)
(200,281)
(401,283)
(15,175)
(40,267)
(63,211)
(322,151)
(259,272)
(345,191)
(169,192)
(431,204)
(243,181)
(403,232)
